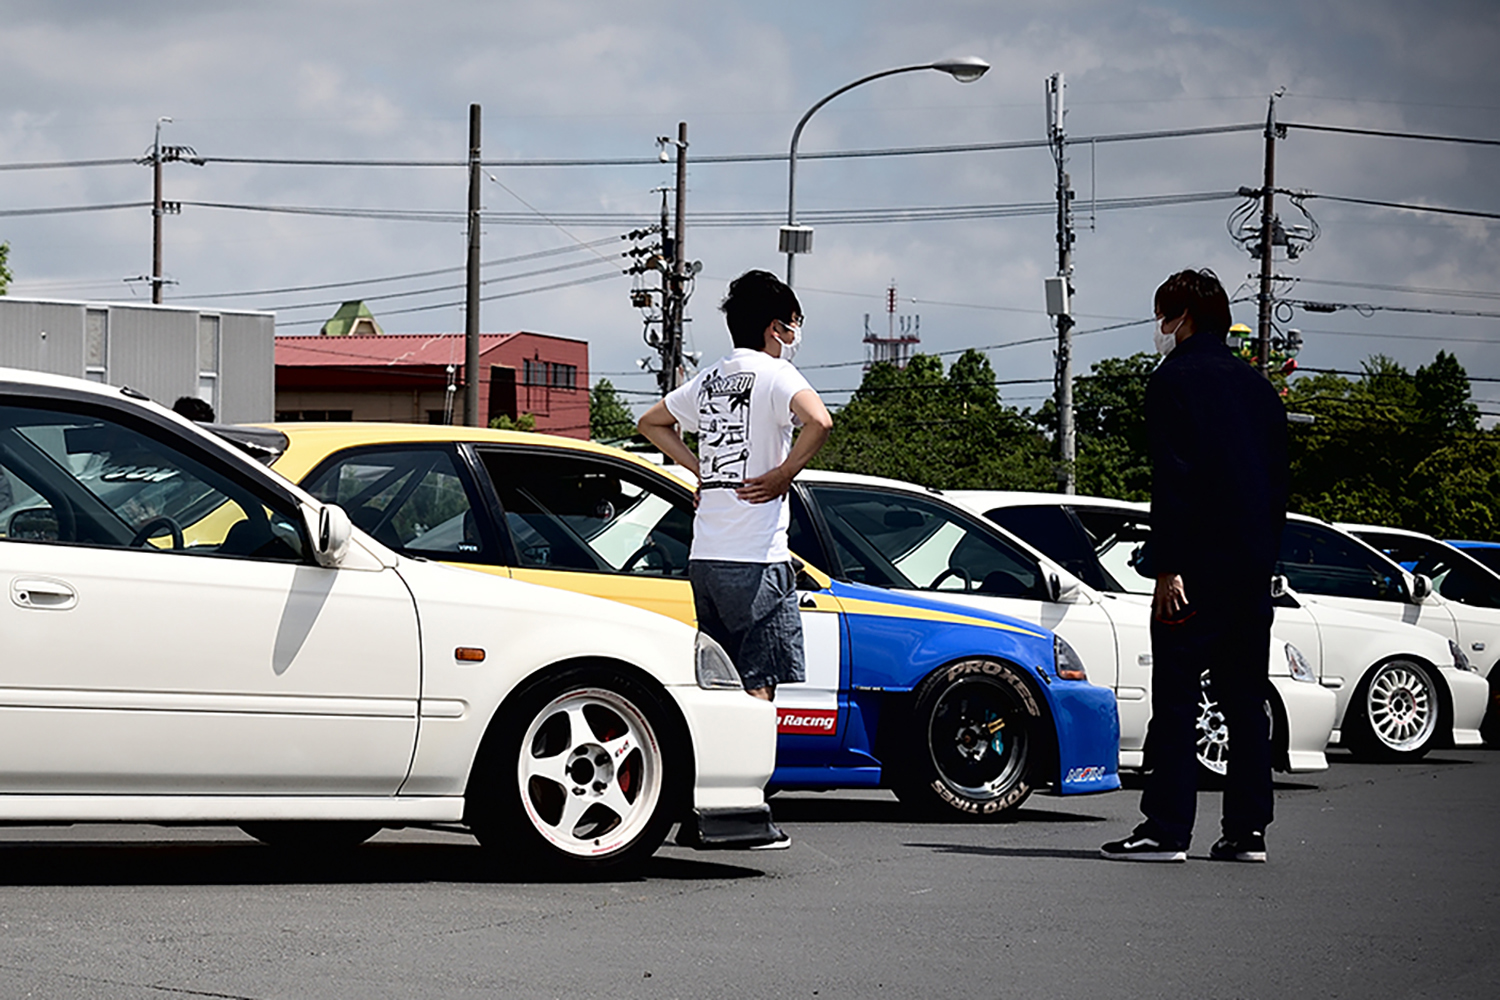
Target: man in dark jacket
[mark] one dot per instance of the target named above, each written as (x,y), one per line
(1217,430)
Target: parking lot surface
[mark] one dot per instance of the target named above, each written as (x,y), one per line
(1381,883)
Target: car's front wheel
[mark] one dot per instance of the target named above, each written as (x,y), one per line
(1213,735)
(973,749)
(580,775)
(1394,713)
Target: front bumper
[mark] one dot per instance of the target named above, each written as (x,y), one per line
(734,746)
(1310,711)
(1471,696)
(709,829)
(1088,737)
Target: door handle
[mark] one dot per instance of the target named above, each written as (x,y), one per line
(42,594)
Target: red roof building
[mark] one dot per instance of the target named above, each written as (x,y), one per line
(405,379)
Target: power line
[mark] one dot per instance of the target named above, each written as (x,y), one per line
(402,277)
(1405,206)
(486,298)
(1365,309)
(69,209)
(1456,292)
(438,288)
(1382,374)
(61,164)
(1392,135)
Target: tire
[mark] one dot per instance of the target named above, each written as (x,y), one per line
(973,745)
(580,775)
(311,835)
(1394,713)
(1212,740)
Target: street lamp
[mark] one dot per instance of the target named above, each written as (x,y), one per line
(797,239)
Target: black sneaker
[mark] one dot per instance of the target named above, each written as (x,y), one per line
(1141,847)
(781,843)
(1249,847)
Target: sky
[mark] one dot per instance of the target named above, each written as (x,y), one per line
(345,80)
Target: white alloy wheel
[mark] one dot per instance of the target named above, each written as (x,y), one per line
(1213,732)
(1398,711)
(590,772)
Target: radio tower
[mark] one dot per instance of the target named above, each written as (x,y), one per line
(902,332)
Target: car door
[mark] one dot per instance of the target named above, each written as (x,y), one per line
(1329,567)
(163,631)
(902,541)
(592,525)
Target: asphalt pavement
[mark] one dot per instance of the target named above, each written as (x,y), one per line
(1382,883)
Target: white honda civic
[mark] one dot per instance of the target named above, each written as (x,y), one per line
(1401,690)
(191,638)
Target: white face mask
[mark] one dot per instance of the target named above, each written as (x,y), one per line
(1165,341)
(789,350)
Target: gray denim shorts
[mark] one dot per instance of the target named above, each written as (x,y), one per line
(751,610)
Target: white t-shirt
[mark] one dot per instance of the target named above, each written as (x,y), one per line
(741,409)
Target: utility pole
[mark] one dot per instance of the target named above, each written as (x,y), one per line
(471,297)
(675,274)
(159,207)
(1267,224)
(1060,290)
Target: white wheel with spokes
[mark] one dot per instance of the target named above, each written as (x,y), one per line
(1213,733)
(1395,712)
(590,772)
(580,773)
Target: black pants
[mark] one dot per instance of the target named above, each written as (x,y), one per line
(1232,644)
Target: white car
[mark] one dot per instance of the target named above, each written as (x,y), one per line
(190,638)
(1401,690)
(903,537)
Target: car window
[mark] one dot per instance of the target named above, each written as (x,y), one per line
(1318,560)
(801,536)
(580,513)
(1118,537)
(94,478)
(1056,532)
(1453,575)
(895,540)
(411,499)
(1486,555)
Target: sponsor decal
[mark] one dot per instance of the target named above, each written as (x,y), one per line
(1086,774)
(807,721)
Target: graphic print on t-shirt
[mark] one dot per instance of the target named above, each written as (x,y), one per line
(724,428)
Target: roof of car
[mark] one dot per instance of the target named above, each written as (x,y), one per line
(1383,529)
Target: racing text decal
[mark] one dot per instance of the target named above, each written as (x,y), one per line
(807,721)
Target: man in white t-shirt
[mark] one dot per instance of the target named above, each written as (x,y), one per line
(743,409)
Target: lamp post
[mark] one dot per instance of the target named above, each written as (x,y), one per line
(797,239)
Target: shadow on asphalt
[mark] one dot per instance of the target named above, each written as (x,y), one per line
(807,810)
(1071,854)
(187,863)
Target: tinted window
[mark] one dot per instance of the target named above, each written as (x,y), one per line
(1453,575)
(410,499)
(1118,538)
(580,513)
(95,478)
(1054,531)
(895,540)
(1317,560)
(1490,557)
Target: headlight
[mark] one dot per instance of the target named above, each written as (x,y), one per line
(1298,665)
(1069,663)
(715,669)
(1460,661)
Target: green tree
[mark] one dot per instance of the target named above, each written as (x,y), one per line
(525,422)
(609,418)
(1109,419)
(944,430)
(5,275)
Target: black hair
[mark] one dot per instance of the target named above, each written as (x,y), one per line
(1199,294)
(194,409)
(755,299)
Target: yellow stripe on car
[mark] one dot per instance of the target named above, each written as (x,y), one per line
(856,606)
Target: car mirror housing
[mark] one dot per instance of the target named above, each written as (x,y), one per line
(329,529)
(1278,587)
(1421,587)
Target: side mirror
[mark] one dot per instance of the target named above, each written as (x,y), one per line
(1421,587)
(34,524)
(1061,589)
(329,529)
(1278,587)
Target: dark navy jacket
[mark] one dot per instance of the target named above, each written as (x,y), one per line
(1218,432)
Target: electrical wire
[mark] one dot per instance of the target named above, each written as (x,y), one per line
(1404,206)
(402,277)
(483,298)
(1456,292)
(1391,135)
(11,213)
(571,265)
(61,164)
(1365,309)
